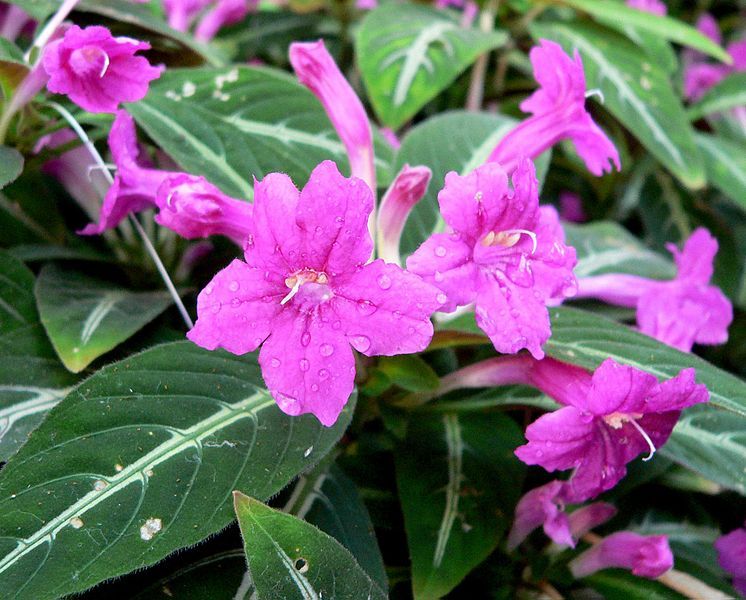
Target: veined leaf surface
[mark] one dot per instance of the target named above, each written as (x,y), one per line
(141,460)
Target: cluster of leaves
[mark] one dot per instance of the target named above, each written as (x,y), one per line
(123,443)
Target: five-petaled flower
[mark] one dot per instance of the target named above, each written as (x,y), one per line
(307,296)
(97,70)
(558,113)
(609,418)
(504,252)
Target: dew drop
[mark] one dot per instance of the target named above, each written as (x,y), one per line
(318,230)
(323,374)
(208,289)
(304,364)
(236,302)
(397,314)
(440,251)
(438,276)
(326,349)
(361,343)
(233,286)
(275,362)
(288,404)
(366,307)
(216,307)
(384,281)
(441,298)
(337,325)
(314,388)
(305,339)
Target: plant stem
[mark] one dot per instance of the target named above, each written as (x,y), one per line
(476,85)
(136,224)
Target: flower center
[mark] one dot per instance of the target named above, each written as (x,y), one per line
(508,238)
(617,420)
(314,285)
(90,59)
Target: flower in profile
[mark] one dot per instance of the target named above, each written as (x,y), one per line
(317,70)
(700,74)
(545,506)
(194,208)
(135,184)
(306,295)
(731,549)
(96,70)
(224,12)
(558,113)
(607,420)
(680,312)
(654,7)
(644,555)
(504,252)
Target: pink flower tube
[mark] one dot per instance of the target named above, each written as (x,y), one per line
(680,312)
(558,113)
(645,556)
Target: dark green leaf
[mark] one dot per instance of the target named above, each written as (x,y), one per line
(409,372)
(408,53)
(725,163)
(289,558)
(728,93)
(234,124)
(140,460)
(86,316)
(615,584)
(636,91)
(11,165)
(456,511)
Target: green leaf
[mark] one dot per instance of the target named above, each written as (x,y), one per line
(408,53)
(140,460)
(327,498)
(86,316)
(636,92)
(658,49)
(726,94)
(11,165)
(31,379)
(410,372)
(456,511)
(234,124)
(615,584)
(607,247)
(289,558)
(619,16)
(725,163)
(39,9)
(453,141)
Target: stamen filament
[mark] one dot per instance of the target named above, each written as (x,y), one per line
(646,437)
(595,92)
(105,67)
(530,234)
(293,291)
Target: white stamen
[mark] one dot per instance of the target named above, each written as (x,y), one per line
(646,437)
(105,67)
(293,291)
(595,92)
(104,167)
(530,234)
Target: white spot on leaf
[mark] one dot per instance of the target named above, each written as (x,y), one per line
(152,526)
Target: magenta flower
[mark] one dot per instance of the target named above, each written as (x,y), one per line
(194,208)
(654,7)
(646,556)
(608,419)
(224,12)
(96,70)
(135,185)
(545,506)
(307,297)
(700,74)
(181,13)
(504,252)
(407,189)
(681,312)
(731,549)
(14,20)
(317,70)
(558,113)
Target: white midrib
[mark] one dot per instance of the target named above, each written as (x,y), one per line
(608,71)
(607,258)
(134,472)
(455,447)
(98,314)
(44,400)
(736,171)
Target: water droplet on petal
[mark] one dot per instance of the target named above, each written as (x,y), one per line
(275,362)
(304,364)
(440,251)
(438,276)
(236,302)
(326,349)
(233,286)
(216,307)
(208,289)
(318,230)
(323,374)
(384,281)
(397,314)
(337,325)
(314,388)
(305,339)
(361,343)
(366,307)
(288,404)
(441,298)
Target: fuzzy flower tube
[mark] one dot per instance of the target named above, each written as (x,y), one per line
(503,252)
(96,70)
(558,113)
(306,295)
(647,556)
(680,312)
